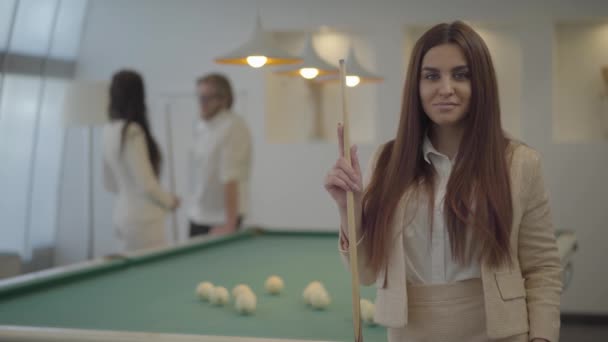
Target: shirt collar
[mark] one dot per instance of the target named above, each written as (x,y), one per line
(215,120)
(428,149)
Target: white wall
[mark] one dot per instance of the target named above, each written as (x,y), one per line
(577,158)
(173,42)
(581,52)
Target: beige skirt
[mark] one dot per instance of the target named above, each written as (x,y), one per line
(138,236)
(446,313)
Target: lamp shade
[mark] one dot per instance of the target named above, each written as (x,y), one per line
(354,68)
(86,103)
(355,72)
(259,51)
(312,65)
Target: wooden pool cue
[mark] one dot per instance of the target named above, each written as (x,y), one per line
(350,211)
(169,135)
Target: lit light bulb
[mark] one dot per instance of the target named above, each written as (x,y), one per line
(256,61)
(352,81)
(309,73)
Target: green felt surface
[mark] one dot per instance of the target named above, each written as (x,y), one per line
(157,293)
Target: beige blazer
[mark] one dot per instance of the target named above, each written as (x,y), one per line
(523,298)
(127,172)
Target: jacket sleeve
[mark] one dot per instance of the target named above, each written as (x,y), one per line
(140,168)
(109,181)
(539,256)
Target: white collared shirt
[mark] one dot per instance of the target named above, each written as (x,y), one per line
(428,256)
(221,153)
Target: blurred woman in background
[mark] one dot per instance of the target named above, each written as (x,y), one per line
(132,163)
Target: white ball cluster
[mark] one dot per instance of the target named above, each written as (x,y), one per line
(316,295)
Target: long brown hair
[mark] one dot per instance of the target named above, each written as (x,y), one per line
(127,102)
(478,197)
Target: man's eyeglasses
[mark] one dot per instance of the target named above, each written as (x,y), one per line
(207,98)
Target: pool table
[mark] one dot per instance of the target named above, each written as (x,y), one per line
(150,296)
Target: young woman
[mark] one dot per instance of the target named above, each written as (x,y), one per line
(453,221)
(132,165)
